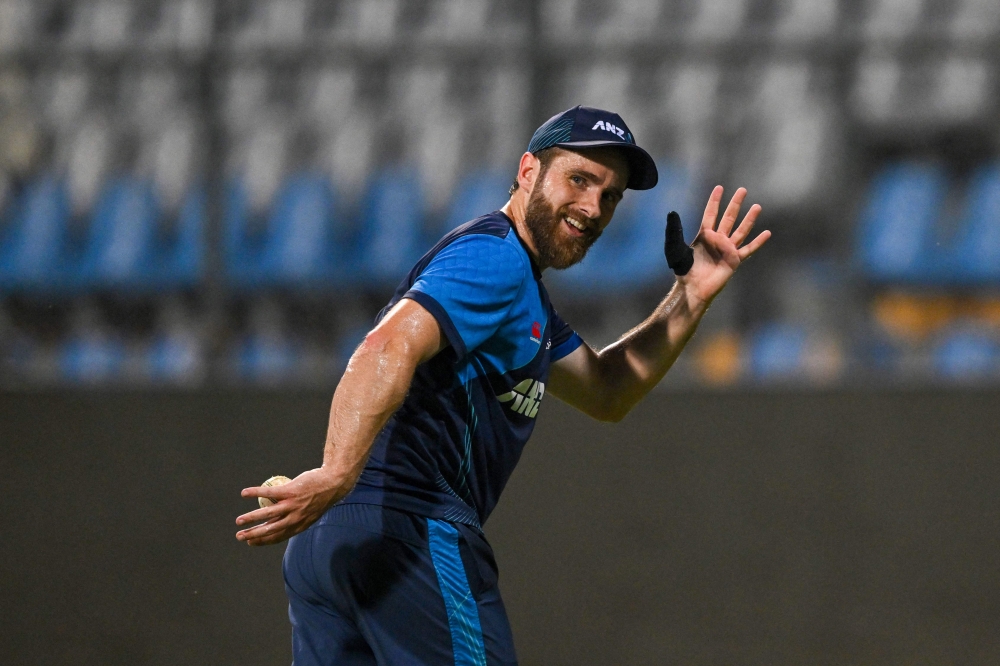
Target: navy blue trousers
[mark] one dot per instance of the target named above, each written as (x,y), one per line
(369,585)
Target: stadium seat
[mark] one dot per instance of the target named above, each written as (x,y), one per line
(89,360)
(478,194)
(777,351)
(966,355)
(121,231)
(974,258)
(297,244)
(800,20)
(895,240)
(33,250)
(265,361)
(172,359)
(180,261)
(392,233)
(127,249)
(629,255)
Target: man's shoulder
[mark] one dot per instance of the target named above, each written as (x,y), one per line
(494,224)
(487,242)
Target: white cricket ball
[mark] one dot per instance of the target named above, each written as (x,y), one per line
(273,481)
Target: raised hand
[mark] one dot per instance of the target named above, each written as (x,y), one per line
(718,250)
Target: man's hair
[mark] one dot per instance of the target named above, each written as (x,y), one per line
(544,156)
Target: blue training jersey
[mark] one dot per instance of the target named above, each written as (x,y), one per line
(448,451)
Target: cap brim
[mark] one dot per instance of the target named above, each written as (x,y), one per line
(642,174)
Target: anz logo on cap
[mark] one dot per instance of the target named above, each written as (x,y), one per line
(614,129)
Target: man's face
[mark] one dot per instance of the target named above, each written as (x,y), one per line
(572,201)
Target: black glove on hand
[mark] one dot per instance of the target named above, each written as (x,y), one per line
(679,254)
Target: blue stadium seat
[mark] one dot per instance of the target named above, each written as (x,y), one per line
(126,250)
(777,351)
(974,257)
(121,232)
(180,261)
(392,232)
(896,233)
(297,247)
(967,355)
(265,361)
(33,250)
(629,255)
(84,360)
(478,194)
(174,360)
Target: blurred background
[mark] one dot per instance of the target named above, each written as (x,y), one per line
(204,203)
(212,192)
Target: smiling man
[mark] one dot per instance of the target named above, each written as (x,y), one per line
(437,403)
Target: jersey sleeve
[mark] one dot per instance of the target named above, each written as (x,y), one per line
(564,339)
(469,287)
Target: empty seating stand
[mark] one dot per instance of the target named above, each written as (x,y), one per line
(392,235)
(777,351)
(132,247)
(33,249)
(896,233)
(967,355)
(974,257)
(296,246)
(902,238)
(478,194)
(127,245)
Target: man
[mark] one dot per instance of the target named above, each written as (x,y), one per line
(437,403)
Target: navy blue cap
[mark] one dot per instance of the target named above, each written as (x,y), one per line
(586,127)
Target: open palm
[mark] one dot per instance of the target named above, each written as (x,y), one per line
(718,248)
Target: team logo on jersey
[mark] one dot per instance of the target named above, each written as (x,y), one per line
(525,398)
(536,332)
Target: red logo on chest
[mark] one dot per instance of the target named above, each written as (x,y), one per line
(536,330)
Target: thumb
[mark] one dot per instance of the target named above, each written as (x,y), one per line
(680,256)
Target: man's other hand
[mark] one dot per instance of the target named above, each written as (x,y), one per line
(297,505)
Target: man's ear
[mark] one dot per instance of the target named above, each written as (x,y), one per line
(527,172)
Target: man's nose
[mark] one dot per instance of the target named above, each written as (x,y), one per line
(590,204)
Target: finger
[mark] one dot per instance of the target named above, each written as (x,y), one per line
(712,209)
(270,532)
(732,211)
(270,492)
(746,226)
(276,533)
(754,245)
(267,513)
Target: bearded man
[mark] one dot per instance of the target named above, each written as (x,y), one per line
(437,403)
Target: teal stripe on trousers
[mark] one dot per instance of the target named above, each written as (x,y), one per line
(463,614)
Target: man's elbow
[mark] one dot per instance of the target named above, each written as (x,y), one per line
(384,350)
(610,411)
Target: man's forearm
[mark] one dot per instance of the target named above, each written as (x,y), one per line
(372,389)
(633,365)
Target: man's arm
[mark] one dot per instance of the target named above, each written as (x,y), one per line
(373,387)
(607,384)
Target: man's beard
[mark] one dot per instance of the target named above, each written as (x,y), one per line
(543,225)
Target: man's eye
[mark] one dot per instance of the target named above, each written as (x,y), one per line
(577,180)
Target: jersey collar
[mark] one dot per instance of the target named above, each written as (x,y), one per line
(513,227)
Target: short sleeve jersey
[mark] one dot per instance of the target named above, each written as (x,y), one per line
(450,448)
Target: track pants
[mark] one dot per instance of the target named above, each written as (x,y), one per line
(369,585)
